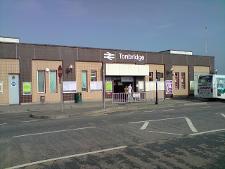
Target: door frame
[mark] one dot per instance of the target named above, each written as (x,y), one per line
(18,74)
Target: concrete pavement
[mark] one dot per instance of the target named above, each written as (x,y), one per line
(53,111)
(119,140)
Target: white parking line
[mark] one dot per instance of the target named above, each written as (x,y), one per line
(148,111)
(50,132)
(29,121)
(206,107)
(158,120)
(145,125)
(191,125)
(161,132)
(206,132)
(193,104)
(3,124)
(222,115)
(66,157)
(168,110)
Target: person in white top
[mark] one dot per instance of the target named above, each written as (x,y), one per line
(130,93)
(129,89)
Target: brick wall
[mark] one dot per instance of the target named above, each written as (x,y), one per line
(88,66)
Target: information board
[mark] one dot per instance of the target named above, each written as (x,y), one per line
(69,86)
(108,86)
(96,85)
(27,88)
(169,87)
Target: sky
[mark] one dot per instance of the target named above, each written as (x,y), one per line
(146,25)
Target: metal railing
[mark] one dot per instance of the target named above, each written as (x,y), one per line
(126,98)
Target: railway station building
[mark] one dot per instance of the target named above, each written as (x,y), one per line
(29,72)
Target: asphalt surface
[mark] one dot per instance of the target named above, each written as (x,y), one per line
(191,135)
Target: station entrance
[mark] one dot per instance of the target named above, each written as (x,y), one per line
(120,83)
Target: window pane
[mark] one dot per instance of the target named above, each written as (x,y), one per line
(84,80)
(41,81)
(150,76)
(53,81)
(176,80)
(183,80)
(93,75)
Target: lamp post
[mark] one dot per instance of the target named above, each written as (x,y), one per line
(103,84)
(60,73)
(156,88)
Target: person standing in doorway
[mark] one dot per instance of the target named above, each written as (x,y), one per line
(130,93)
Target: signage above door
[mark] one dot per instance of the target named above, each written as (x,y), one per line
(123,57)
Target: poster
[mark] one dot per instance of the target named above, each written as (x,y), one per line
(69,86)
(96,85)
(108,86)
(160,85)
(141,85)
(26,88)
(221,87)
(169,87)
(1,86)
(147,86)
(152,85)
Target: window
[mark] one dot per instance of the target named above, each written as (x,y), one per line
(150,76)
(176,80)
(93,75)
(205,80)
(41,81)
(183,80)
(53,81)
(84,80)
(159,75)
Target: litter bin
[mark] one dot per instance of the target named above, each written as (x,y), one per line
(42,99)
(78,97)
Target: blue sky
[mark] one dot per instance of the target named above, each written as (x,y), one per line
(149,25)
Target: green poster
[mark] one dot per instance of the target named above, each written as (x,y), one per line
(26,88)
(108,86)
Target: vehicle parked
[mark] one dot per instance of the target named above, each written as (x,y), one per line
(211,86)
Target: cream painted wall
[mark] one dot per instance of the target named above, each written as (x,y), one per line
(201,69)
(42,65)
(88,66)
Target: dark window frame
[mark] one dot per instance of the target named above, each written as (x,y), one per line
(151,76)
(183,80)
(96,78)
(44,82)
(177,80)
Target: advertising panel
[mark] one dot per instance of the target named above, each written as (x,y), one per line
(169,87)
(27,88)
(69,86)
(96,85)
(108,86)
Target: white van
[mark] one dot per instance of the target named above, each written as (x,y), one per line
(211,86)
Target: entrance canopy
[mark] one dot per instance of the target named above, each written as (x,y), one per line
(127,70)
